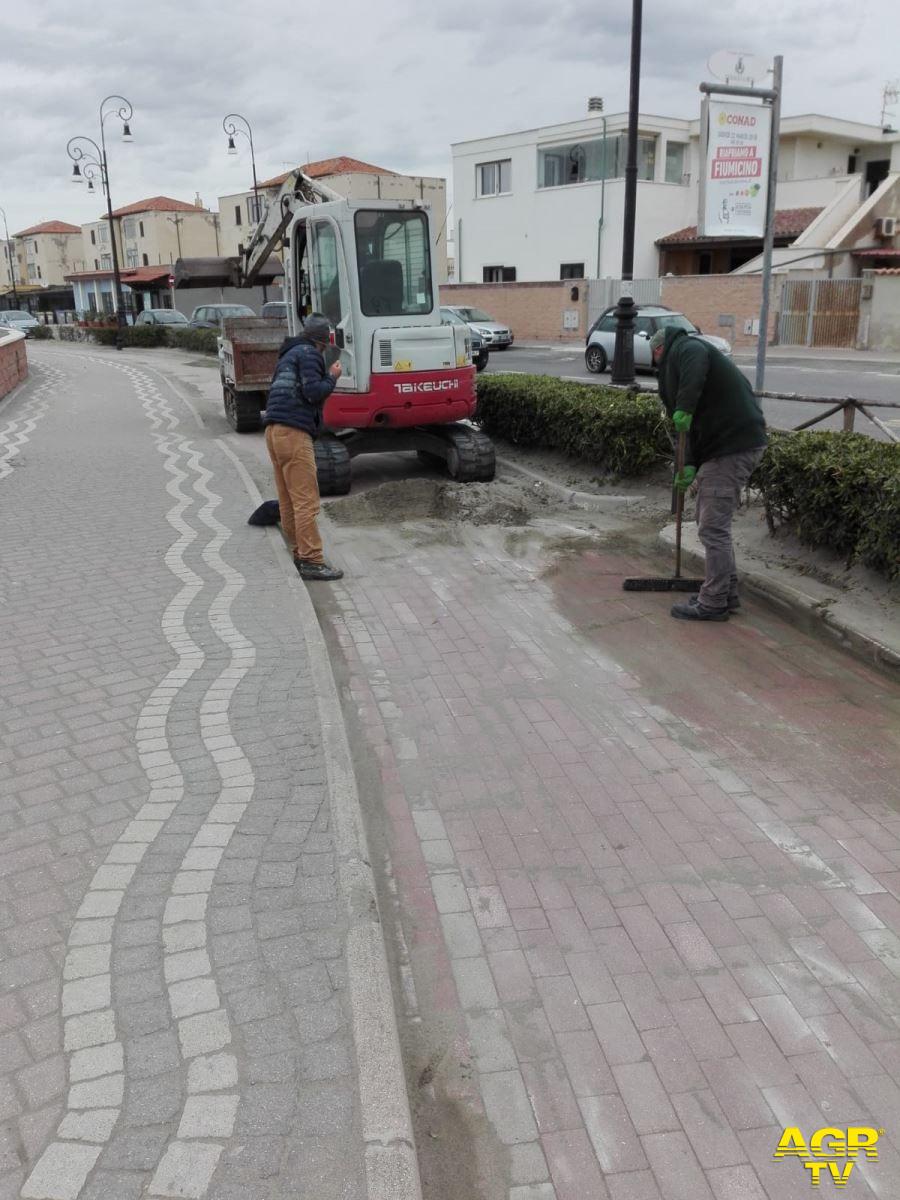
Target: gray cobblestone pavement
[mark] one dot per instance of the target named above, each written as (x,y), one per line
(173,998)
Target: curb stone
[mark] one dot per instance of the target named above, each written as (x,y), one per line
(590,501)
(811,615)
(392,1170)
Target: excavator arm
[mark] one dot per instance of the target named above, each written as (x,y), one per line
(297,191)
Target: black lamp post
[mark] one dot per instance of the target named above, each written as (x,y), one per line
(11,260)
(87,163)
(232,129)
(623,355)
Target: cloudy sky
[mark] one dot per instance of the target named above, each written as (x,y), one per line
(393,82)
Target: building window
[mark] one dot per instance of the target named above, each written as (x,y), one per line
(494,178)
(132,257)
(571,270)
(675,162)
(237,214)
(591,161)
(106,262)
(498,274)
(96,264)
(128,229)
(254,208)
(141,227)
(104,234)
(93,238)
(146,260)
(39,273)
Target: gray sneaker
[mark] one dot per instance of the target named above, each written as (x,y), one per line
(698,612)
(734,601)
(322,571)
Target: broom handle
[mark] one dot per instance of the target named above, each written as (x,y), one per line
(679,503)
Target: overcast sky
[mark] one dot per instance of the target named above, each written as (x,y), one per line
(393,82)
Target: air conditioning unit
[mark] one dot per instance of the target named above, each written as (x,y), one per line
(886,227)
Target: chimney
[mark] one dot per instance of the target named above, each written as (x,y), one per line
(197,200)
(595,104)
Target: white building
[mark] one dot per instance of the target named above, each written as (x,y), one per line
(548,203)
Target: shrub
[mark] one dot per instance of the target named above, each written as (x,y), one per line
(624,433)
(43,333)
(838,490)
(203,340)
(145,335)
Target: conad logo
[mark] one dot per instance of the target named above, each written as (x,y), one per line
(728,118)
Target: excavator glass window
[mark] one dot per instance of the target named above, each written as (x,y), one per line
(394,261)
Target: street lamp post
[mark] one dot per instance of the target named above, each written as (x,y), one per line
(87,162)
(232,129)
(623,355)
(10,257)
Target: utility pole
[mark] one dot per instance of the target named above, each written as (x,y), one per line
(623,355)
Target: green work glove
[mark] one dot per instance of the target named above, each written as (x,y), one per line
(685,477)
(682,420)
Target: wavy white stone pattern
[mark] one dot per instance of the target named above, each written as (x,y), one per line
(96,1067)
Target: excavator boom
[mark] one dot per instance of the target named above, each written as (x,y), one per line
(298,189)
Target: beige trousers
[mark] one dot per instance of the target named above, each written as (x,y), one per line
(294,464)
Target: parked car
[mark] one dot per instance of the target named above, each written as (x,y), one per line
(275,309)
(20,320)
(211,316)
(161,316)
(449,316)
(497,336)
(601,337)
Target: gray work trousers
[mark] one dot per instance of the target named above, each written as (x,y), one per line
(719,485)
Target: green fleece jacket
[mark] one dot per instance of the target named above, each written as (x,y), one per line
(696,378)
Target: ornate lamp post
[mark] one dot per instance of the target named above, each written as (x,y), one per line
(11,259)
(89,159)
(232,129)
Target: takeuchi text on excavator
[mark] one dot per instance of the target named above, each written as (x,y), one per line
(408,381)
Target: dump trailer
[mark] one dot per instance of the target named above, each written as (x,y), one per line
(408,381)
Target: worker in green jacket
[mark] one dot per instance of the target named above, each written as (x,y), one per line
(711,401)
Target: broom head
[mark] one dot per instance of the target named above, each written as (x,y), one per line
(674,584)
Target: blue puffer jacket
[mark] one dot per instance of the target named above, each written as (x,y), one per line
(300,387)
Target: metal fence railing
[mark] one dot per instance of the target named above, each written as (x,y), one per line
(849,406)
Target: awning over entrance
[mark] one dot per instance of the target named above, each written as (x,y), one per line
(220,272)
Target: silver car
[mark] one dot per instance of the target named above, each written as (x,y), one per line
(601,339)
(19,320)
(494,334)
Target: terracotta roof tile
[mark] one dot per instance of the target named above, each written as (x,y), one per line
(49,227)
(789,222)
(885,271)
(330,166)
(157,204)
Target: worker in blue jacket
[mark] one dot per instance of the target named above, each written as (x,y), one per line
(300,386)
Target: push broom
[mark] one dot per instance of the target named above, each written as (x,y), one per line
(676,582)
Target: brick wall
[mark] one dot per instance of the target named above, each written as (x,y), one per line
(13,363)
(707,298)
(535,312)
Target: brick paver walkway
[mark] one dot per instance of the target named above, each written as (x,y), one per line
(648,873)
(172,986)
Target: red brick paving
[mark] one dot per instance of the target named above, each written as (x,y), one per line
(663,859)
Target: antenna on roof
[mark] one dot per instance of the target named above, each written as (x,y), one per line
(890,94)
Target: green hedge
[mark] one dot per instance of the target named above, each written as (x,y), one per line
(150,336)
(43,333)
(183,338)
(624,433)
(837,490)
